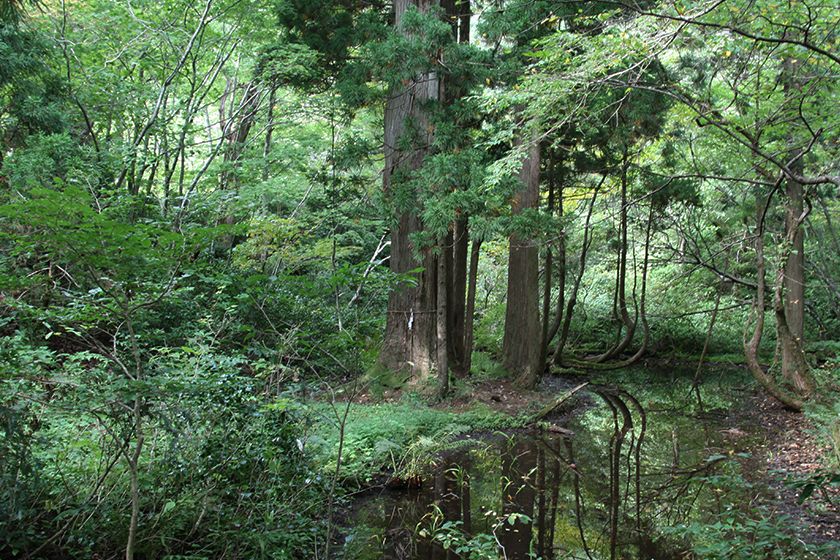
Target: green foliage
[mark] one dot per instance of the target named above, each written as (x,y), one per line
(193,235)
(399,438)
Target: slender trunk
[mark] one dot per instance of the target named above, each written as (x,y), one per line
(442,316)
(546,307)
(695,384)
(561,270)
(642,314)
(790,317)
(469,316)
(570,305)
(133,460)
(269,130)
(458,294)
(541,504)
(134,479)
(620,311)
(751,346)
(629,324)
(521,344)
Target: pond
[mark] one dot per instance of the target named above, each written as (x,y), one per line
(605,481)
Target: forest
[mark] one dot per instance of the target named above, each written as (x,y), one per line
(420,279)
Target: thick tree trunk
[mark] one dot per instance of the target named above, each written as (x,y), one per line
(409,343)
(522,341)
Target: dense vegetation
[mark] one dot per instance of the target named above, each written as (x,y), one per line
(221,222)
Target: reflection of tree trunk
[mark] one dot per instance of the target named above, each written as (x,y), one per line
(616,442)
(638,457)
(518,464)
(570,305)
(578,496)
(449,502)
(752,345)
(521,344)
(555,498)
(541,528)
(466,512)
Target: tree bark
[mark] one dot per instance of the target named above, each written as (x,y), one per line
(791,332)
(458,294)
(409,342)
(752,345)
(441,323)
(469,314)
(522,341)
(789,295)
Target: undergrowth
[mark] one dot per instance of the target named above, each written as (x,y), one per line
(397,438)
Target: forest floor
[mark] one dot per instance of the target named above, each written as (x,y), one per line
(791,451)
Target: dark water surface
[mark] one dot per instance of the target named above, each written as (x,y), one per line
(631,465)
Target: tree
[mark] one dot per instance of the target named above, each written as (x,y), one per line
(521,345)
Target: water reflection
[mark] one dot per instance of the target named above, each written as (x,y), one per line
(601,491)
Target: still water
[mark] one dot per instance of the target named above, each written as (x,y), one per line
(604,482)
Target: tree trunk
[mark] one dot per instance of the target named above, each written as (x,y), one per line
(789,296)
(791,328)
(570,305)
(409,342)
(642,313)
(546,302)
(441,323)
(521,344)
(620,313)
(469,315)
(269,130)
(458,294)
(752,345)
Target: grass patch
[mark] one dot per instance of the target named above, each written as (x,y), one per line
(399,438)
